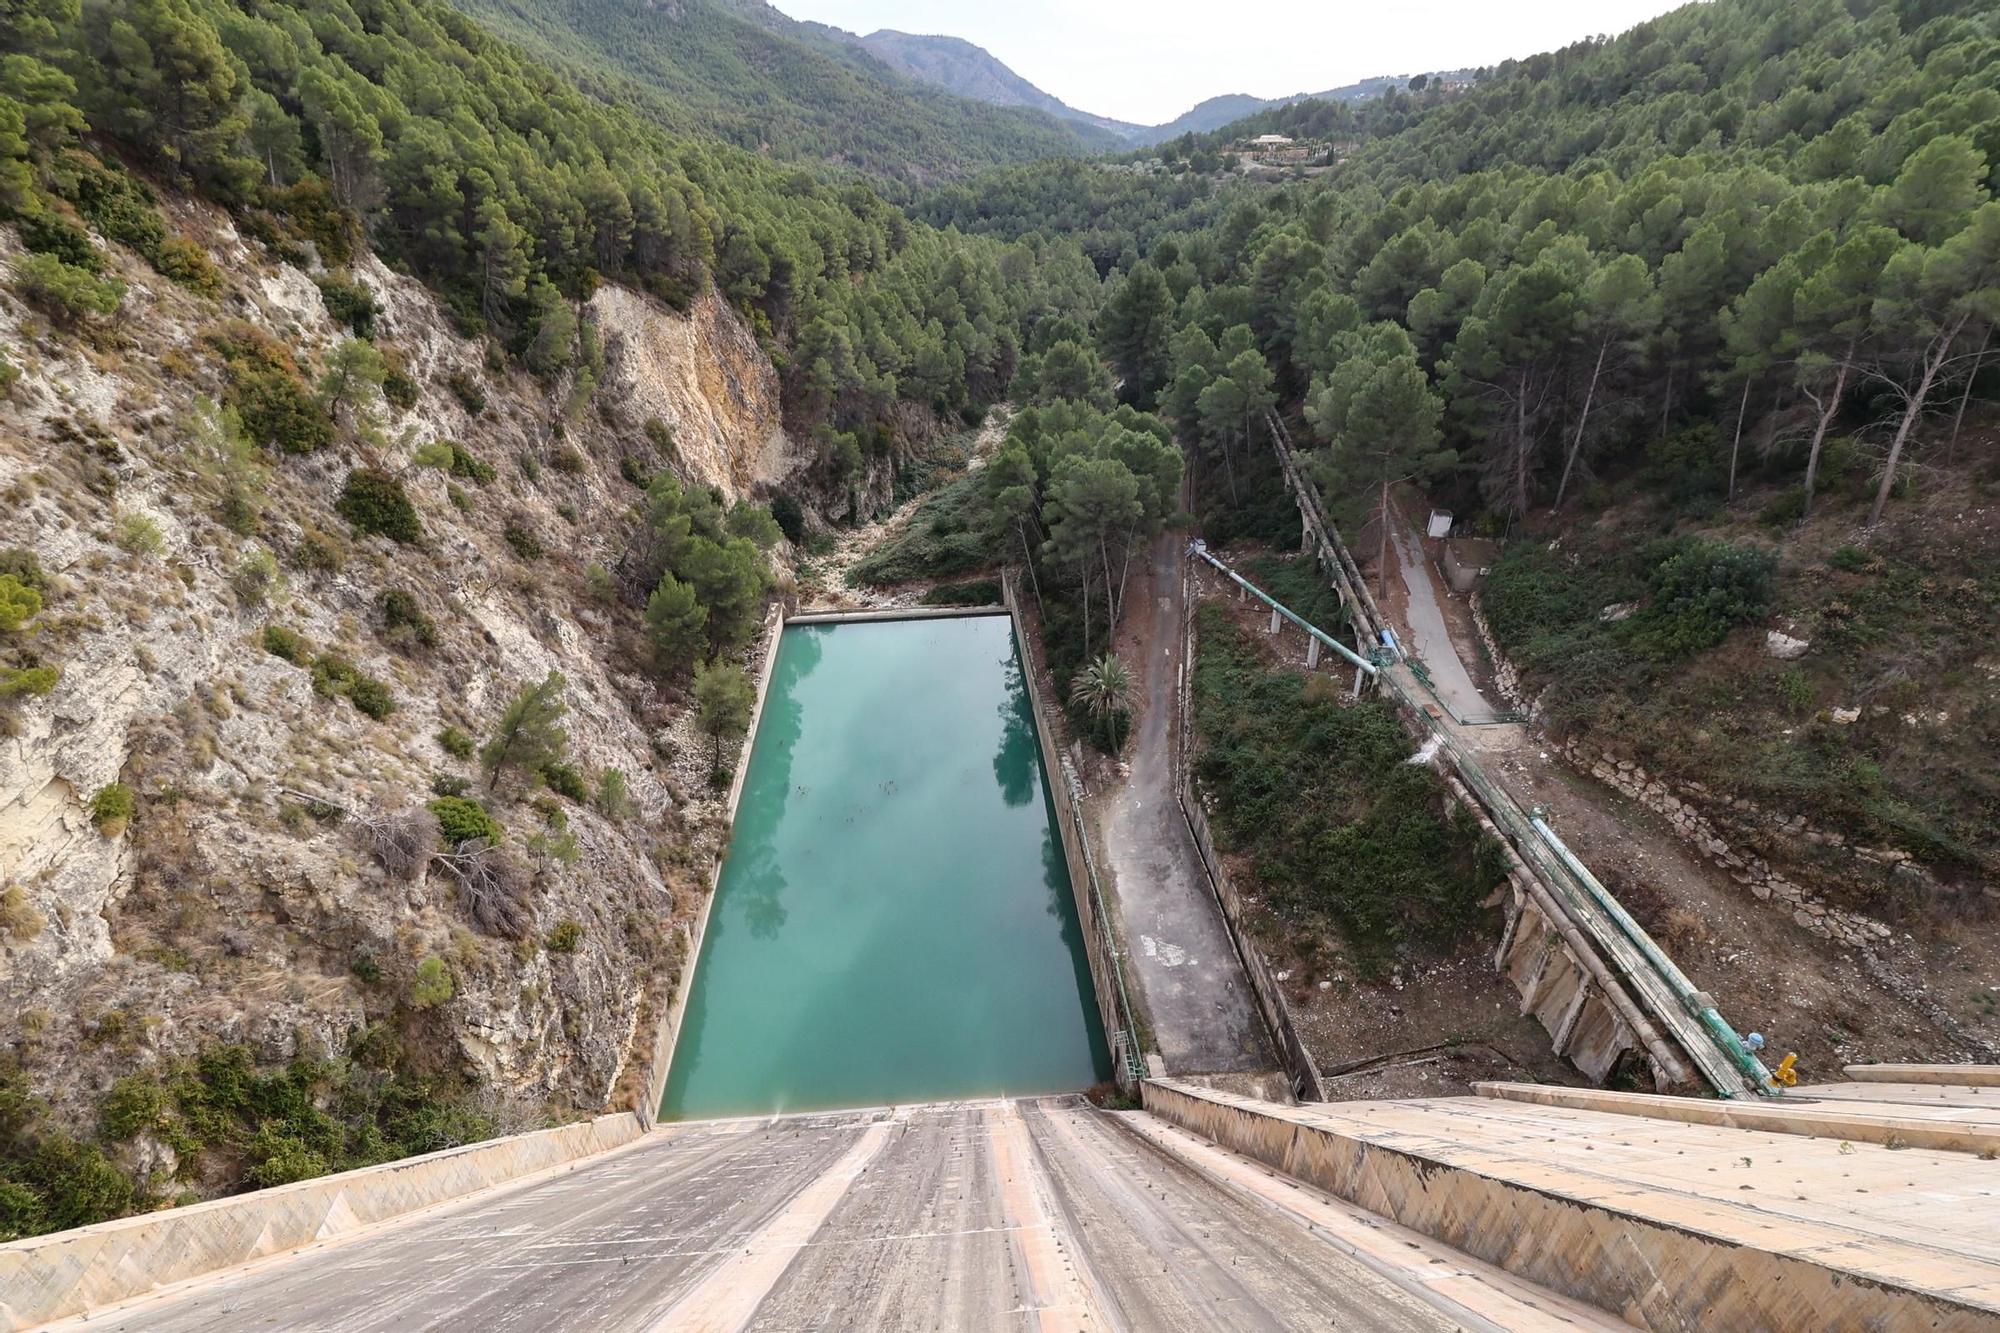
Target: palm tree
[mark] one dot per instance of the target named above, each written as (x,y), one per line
(1102,689)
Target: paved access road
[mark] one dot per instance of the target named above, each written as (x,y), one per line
(1191,984)
(985,1215)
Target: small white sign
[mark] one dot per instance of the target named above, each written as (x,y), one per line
(1440,523)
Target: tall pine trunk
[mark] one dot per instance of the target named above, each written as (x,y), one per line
(1826,411)
(1521,448)
(1382,560)
(1576,443)
(1934,358)
(1958,420)
(1736,445)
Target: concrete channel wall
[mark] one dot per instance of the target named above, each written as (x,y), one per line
(669,1031)
(1100,949)
(67,1273)
(1300,1067)
(1692,1268)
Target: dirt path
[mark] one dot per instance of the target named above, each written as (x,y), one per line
(1197,1001)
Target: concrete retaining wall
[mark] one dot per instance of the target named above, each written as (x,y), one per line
(1699,1271)
(67,1273)
(1065,797)
(669,1031)
(1300,1067)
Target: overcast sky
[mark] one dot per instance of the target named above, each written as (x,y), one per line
(1150,60)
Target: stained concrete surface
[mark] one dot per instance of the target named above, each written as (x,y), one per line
(1202,1012)
(1675,1225)
(1429,638)
(983,1215)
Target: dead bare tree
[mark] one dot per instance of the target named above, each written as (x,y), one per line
(493,887)
(402,842)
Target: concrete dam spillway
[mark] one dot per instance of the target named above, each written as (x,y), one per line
(894,921)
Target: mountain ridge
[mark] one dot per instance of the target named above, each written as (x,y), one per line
(968,70)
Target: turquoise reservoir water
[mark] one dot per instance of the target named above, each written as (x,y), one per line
(894,920)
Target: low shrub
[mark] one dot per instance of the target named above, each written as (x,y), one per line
(349,303)
(939,542)
(111,808)
(430,986)
(284,643)
(18,918)
(1319,794)
(454,459)
(467,390)
(28,680)
(456,743)
(256,579)
(372,697)
(181,260)
(67,294)
(566,936)
(137,534)
(335,676)
(399,389)
(278,411)
(1701,590)
(376,505)
(50,233)
(318,553)
(462,820)
(25,568)
(19,603)
(564,780)
(980,592)
(521,537)
(404,622)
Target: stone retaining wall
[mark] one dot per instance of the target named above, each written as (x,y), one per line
(1675,802)
(1696,815)
(67,1273)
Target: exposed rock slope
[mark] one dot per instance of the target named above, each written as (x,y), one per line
(242,903)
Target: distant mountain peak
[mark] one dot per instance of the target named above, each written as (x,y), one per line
(970,70)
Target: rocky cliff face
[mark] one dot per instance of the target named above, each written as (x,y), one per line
(703,376)
(243,901)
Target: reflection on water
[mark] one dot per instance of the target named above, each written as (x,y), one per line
(1016,766)
(894,921)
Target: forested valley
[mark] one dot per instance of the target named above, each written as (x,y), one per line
(1697,320)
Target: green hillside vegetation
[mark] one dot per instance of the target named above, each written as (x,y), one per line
(1742,262)
(777,87)
(1340,828)
(511,191)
